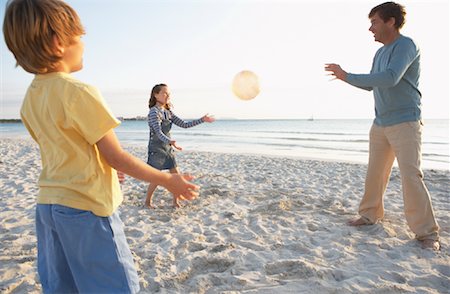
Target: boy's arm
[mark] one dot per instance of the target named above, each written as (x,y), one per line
(121,160)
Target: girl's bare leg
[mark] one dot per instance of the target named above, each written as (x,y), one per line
(148,200)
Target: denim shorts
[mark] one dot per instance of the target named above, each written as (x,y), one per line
(161,160)
(79,252)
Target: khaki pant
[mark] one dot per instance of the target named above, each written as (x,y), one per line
(403,141)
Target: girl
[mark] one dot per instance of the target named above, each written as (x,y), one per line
(160,152)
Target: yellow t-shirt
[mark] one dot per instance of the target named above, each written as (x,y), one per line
(67,118)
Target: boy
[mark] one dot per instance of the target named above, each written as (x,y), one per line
(81,243)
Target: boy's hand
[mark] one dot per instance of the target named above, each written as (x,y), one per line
(121,176)
(180,187)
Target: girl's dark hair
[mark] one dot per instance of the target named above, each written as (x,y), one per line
(155,90)
(388,10)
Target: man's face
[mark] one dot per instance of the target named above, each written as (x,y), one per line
(380,29)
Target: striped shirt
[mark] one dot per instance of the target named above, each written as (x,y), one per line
(157,114)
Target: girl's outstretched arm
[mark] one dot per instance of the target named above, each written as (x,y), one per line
(184,124)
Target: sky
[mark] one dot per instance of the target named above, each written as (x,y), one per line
(197,47)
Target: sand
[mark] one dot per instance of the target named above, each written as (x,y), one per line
(261,225)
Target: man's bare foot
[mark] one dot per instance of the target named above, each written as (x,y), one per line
(431,244)
(149,205)
(361,221)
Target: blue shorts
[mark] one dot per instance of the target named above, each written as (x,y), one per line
(79,252)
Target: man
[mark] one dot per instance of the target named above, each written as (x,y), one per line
(397,129)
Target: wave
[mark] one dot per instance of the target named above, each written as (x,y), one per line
(314,133)
(315,147)
(140,136)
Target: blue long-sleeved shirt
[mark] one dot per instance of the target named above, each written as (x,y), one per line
(157,114)
(394,79)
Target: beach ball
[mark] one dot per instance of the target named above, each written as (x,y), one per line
(245,85)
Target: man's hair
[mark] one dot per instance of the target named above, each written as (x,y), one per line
(30,27)
(388,10)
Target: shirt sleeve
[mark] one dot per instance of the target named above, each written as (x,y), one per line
(154,122)
(402,55)
(184,124)
(89,115)
(27,126)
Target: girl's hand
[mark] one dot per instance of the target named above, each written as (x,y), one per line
(181,188)
(208,118)
(174,145)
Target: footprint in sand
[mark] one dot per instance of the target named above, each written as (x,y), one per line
(313,227)
(222,247)
(288,269)
(398,278)
(340,275)
(443,269)
(204,265)
(135,233)
(194,247)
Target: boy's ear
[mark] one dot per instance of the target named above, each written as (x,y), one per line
(59,48)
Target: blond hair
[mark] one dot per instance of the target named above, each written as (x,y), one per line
(30,27)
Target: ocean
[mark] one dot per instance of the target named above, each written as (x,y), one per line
(323,139)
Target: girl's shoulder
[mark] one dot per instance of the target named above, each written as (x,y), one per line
(154,111)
